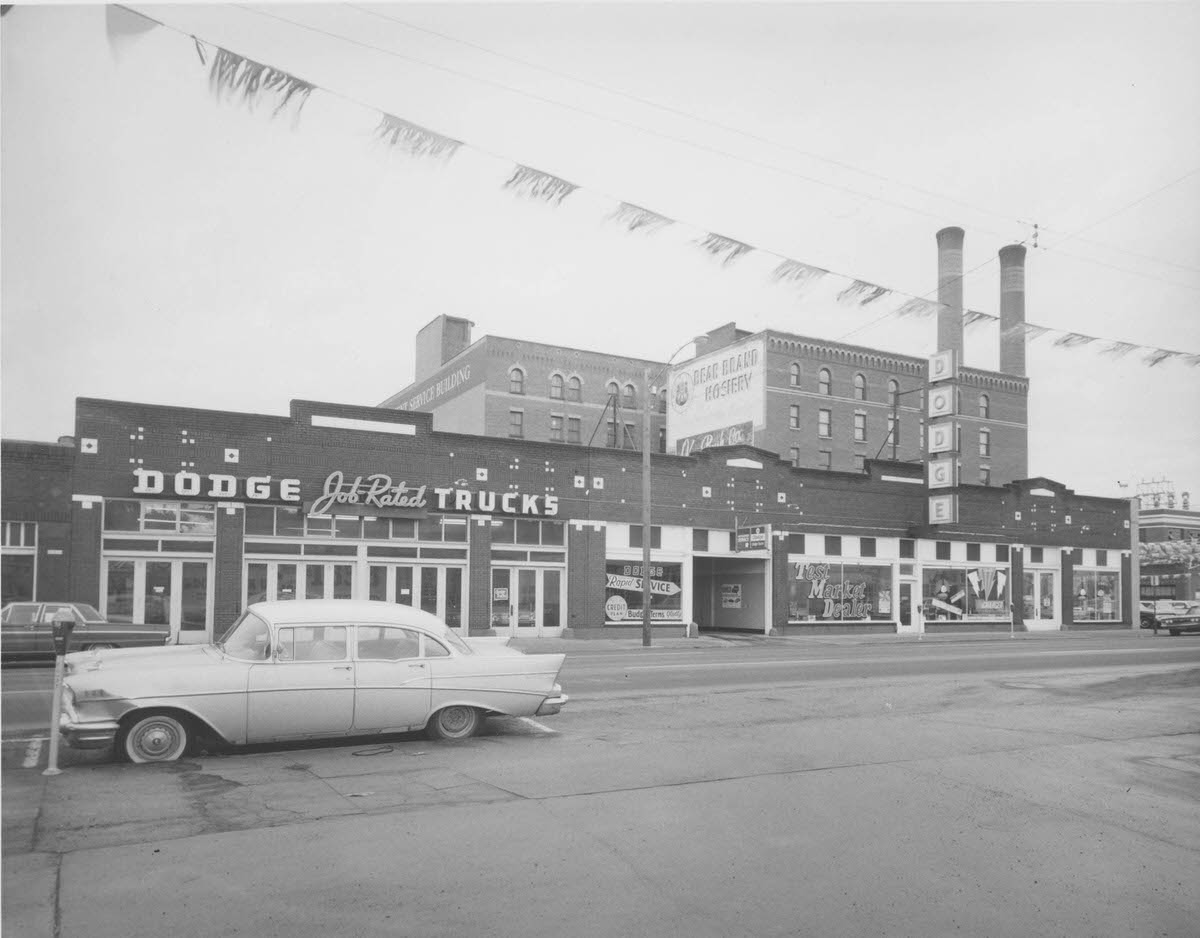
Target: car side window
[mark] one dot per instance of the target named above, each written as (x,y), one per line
(50,609)
(387,643)
(311,643)
(435,649)
(21,614)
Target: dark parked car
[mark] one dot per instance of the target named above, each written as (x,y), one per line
(26,631)
(1175,616)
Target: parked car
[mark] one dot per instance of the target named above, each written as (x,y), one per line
(1176,616)
(303,669)
(25,627)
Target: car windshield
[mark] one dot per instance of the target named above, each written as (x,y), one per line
(249,638)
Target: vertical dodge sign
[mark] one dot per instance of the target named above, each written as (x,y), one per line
(721,391)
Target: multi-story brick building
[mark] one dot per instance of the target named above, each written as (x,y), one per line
(818,404)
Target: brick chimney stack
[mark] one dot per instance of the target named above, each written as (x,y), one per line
(950,290)
(1012,309)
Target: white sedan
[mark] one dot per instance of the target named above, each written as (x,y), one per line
(303,669)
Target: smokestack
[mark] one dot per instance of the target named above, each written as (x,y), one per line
(950,290)
(1012,309)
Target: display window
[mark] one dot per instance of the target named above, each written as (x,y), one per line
(966,593)
(1097,595)
(833,591)
(623,592)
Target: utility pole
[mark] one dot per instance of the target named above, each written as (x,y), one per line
(646,510)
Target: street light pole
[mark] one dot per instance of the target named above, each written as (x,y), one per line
(646,510)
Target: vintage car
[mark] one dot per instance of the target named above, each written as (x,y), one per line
(25,627)
(1175,616)
(303,669)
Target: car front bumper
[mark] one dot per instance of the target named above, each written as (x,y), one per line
(94,735)
(551,705)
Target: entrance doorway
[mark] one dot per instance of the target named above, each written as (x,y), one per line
(436,590)
(176,593)
(1041,605)
(910,621)
(527,601)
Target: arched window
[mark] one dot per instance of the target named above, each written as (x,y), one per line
(612,389)
(574,389)
(825,382)
(795,374)
(516,381)
(985,406)
(860,388)
(556,387)
(893,393)
(629,397)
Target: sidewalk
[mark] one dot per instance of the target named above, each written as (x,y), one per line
(577,646)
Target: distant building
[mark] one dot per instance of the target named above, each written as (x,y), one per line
(1169,550)
(816,403)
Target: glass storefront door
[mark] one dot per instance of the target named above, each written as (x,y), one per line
(267,581)
(527,601)
(436,590)
(1040,599)
(176,593)
(909,609)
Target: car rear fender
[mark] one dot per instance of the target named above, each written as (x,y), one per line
(514,685)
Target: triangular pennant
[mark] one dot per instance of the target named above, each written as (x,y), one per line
(635,218)
(794,272)
(1118,349)
(1073,340)
(414,140)
(917,307)
(973,316)
(862,293)
(122,24)
(234,76)
(534,184)
(718,245)
(1160,355)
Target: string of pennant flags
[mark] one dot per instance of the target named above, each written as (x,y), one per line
(233,77)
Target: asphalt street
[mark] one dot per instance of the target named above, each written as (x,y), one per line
(1001,787)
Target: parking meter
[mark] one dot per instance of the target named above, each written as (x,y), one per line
(61,627)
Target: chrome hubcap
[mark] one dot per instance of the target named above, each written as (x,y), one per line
(156,739)
(456,719)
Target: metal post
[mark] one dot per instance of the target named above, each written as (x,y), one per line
(646,510)
(1135,565)
(55,713)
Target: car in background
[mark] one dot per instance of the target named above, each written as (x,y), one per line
(1176,616)
(25,631)
(303,669)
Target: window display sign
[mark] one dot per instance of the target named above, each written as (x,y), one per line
(715,393)
(731,595)
(1097,595)
(956,593)
(623,591)
(839,591)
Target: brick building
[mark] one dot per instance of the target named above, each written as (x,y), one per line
(819,404)
(184,516)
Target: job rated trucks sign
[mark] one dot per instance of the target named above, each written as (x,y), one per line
(717,399)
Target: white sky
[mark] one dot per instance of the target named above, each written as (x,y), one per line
(160,246)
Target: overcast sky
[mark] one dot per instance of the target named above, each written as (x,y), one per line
(162,246)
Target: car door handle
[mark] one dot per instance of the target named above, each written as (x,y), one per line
(342,667)
(416,666)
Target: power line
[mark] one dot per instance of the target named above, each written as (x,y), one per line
(372,108)
(745,133)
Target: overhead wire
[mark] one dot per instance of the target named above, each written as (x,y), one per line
(352,100)
(749,135)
